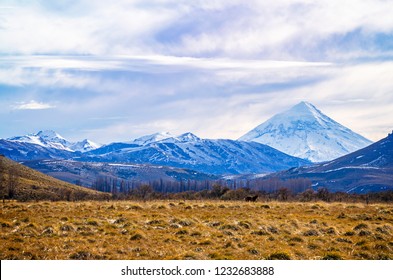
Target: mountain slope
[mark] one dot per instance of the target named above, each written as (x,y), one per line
(367,170)
(203,155)
(86,173)
(304,131)
(20,151)
(29,184)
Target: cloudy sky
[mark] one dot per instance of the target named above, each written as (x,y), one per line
(116,70)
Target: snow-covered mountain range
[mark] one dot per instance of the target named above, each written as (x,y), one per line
(304,131)
(51,139)
(220,156)
(289,139)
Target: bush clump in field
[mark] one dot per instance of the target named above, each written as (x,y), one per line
(91,222)
(185,223)
(311,232)
(344,240)
(48,231)
(253,251)
(215,224)
(66,227)
(5,224)
(279,256)
(136,236)
(81,255)
(134,207)
(360,226)
(205,242)
(230,227)
(364,233)
(332,256)
(260,232)
(386,229)
(296,239)
(245,224)
(182,232)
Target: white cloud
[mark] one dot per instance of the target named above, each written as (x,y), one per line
(253,29)
(33,105)
(98,28)
(90,71)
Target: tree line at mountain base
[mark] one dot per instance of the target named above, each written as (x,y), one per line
(266,190)
(112,188)
(217,192)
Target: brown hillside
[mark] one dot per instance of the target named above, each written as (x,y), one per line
(22,183)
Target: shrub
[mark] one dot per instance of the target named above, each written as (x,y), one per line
(244,224)
(360,226)
(81,255)
(136,236)
(364,233)
(311,232)
(181,232)
(279,256)
(332,256)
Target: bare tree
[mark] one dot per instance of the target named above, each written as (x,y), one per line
(307,195)
(323,194)
(144,191)
(13,181)
(283,194)
(2,179)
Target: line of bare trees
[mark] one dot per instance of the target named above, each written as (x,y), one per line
(267,190)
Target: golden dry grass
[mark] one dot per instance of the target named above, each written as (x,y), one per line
(195,230)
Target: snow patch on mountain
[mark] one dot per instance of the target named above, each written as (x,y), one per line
(84,146)
(147,139)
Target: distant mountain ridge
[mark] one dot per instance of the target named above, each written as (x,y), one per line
(51,139)
(304,131)
(187,151)
(219,156)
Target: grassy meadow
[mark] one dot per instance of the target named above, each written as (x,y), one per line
(195,230)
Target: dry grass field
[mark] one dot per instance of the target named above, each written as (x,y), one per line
(195,230)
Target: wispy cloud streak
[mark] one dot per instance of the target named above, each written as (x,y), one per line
(33,105)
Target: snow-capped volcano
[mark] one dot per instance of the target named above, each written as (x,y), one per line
(51,139)
(304,131)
